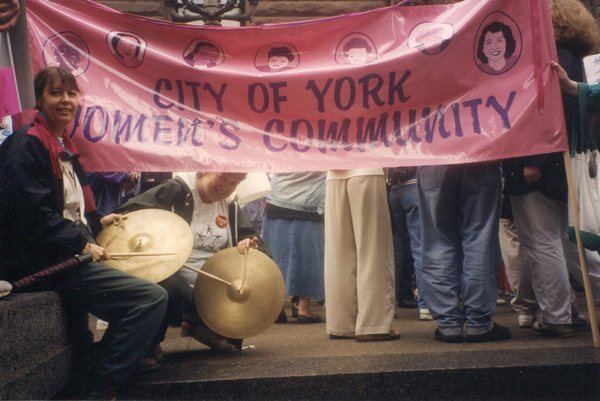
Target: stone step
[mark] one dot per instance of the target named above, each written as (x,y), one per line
(35,353)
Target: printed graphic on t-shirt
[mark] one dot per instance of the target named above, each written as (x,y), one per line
(208,239)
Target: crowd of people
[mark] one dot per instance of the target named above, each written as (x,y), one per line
(344,237)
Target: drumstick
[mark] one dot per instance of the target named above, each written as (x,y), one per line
(126,254)
(207,274)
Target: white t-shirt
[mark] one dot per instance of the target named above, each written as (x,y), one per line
(210,227)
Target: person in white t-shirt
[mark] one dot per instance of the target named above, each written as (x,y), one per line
(201,199)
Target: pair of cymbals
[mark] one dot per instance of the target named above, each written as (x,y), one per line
(242,299)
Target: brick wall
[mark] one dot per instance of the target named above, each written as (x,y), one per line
(148,8)
(291,10)
(288,10)
(268,10)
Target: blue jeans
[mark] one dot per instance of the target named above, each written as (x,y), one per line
(404,205)
(134,309)
(460,212)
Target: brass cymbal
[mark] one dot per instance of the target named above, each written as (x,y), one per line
(151,231)
(250,304)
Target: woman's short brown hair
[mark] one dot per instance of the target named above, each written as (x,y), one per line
(47,75)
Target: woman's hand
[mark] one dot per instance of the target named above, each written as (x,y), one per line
(9,13)
(98,253)
(246,244)
(567,85)
(532,174)
(111,218)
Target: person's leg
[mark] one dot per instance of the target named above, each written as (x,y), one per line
(134,309)
(480,215)
(340,262)
(181,304)
(438,197)
(518,273)
(409,201)
(375,260)
(538,221)
(403,262)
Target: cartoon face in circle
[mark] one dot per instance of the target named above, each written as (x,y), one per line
(357,51)
(67,50)
(280,58)
(355,48)
(276,57)
(496,48)
(126,46)
(431,38)
(203,54)
(67,57)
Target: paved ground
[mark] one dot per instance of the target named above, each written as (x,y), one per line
(298,362)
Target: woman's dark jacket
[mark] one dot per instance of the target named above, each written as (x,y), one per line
(33,232)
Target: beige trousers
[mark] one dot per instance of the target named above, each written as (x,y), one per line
(359,260)
(518,272)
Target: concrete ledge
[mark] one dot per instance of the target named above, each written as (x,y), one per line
(559,375)
(36,357)
(298,362)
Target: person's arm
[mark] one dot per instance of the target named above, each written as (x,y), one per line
(159,197)
(567,85)
(117,178)
(247,235)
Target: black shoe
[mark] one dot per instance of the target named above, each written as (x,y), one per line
(309,319)
(552,330)
(216,342)
(497,333)
(236,342)
(294,309)
(453,338)
(408,302)
(282,318)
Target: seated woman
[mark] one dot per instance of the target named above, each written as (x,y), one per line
(47,215)
(201,200)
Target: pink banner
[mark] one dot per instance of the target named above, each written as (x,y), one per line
(9,97)
(417,85)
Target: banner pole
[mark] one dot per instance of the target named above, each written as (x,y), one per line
(587,285)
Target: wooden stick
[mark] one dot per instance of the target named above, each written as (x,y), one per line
(127,254)
(207,274)
(587,284)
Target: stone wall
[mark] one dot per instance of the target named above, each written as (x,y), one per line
(268,10)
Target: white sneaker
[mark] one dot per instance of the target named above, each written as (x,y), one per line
(424,314)
(525,320)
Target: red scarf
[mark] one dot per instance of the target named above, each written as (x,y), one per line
(41,130)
